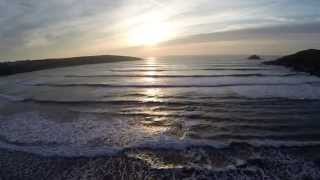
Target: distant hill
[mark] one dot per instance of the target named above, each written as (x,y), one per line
(9,68)
(306,61)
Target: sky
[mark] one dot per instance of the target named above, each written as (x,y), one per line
(35,29)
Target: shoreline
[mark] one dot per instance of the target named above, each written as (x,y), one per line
(16,67)
(240,160)
(307,61)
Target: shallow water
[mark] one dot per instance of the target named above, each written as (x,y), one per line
(172,102)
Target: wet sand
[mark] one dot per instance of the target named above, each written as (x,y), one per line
(237,161)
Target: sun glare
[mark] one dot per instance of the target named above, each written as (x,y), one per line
(150,34)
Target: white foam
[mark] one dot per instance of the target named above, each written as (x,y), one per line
(92,134)
(88,135)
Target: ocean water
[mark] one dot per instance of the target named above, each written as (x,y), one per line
(170,102)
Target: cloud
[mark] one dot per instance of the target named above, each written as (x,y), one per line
(38,28)
(262,33)
(274,40)
(38,23)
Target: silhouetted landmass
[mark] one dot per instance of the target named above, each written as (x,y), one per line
(306,61)
(254,57)
(9,68)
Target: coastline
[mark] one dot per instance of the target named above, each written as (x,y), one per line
(239,160)
(304,61)
(15,67)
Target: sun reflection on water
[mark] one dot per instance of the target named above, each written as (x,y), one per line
(151,94)
(152,124)
(151,71)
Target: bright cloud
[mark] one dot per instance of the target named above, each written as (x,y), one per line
(53,28)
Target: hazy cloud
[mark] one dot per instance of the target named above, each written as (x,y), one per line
(283,32)
(38,28)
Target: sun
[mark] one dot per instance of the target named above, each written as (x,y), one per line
(150,34)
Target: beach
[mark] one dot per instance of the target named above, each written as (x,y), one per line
(238,161)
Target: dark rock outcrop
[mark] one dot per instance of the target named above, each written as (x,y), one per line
(254,57)
(9,68)
(306,61)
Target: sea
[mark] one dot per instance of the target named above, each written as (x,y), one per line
(191,107)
